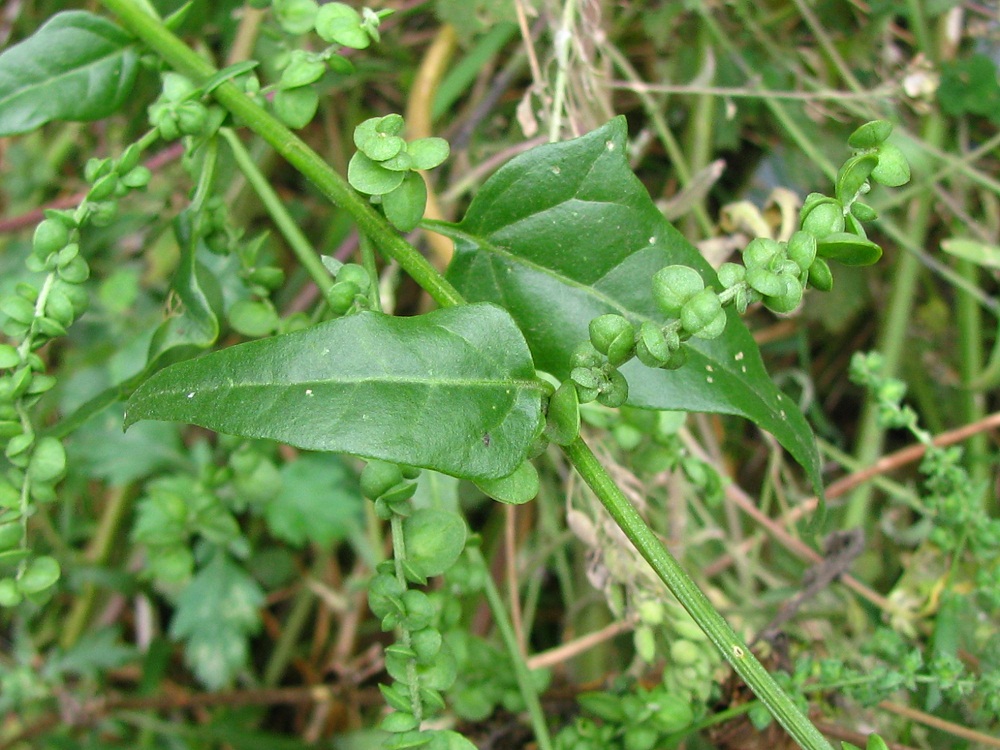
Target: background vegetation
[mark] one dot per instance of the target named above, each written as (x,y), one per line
(735,112)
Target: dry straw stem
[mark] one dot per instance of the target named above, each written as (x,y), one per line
(840,487)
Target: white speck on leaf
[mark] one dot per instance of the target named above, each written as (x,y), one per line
(743,368)
(609,145)
(739,356)
(708,368)
(191,394)
(556,170)
(309,391)
(783,415)
(709,380)
(652,240)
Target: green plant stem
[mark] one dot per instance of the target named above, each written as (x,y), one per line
(521,673)
(368,259)
(893,336)
(297,241)
(562,43)
(398,555)
(99,549)
(183,59)
(700,132)
(295,623)
(151,31)
(693,600)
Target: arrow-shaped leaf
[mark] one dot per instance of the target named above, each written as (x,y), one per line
(566,232)
(454,390)
(77,66)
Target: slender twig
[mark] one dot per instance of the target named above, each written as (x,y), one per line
(577,646)
(945,726)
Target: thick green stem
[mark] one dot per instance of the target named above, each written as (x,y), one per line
(152,32)
(182,58)
(693,600)
(294,236)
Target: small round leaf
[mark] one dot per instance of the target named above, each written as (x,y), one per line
(870,135)
(428,153)
(296,16)
(892,169)
(9,595)
(513,489)
(48,461)
(41,574)
(849,249)
(296,107)
(253,318)
(370,177)
(302,69)
(434,540)
(404,206)
(338,23)
(675,285)
(853,175)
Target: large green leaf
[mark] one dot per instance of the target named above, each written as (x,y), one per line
(454,390)
(566,232)
(77,66)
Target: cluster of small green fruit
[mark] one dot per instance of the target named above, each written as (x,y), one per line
(426,542)
(296,98)
(773,273)
(34,315)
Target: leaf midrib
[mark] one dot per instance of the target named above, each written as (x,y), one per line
(52,80)
(723,367)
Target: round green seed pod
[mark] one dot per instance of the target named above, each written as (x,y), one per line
(731,274)
(651,347)
(585,355)
(378,477)
(612,335)
(789,300)
(802,249)
(342,296)
(419,609)
(562,422)
(426,644)
(615,392)
(675,285)
(355,274)
(51,236)
(825,217)
(701,315)
(820,275)
(761,253)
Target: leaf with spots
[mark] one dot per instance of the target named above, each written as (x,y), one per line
(421,391)
(566,232)
(216,614)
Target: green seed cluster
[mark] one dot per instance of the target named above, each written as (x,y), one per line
(296,98)
(385,168)
(426,542)
(33,316)
(773,273)
(349,292)
(177,111)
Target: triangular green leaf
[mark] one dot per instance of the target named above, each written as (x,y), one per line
(566,232)
(454,390)
(78,66)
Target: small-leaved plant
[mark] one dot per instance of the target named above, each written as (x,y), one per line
(568,286)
